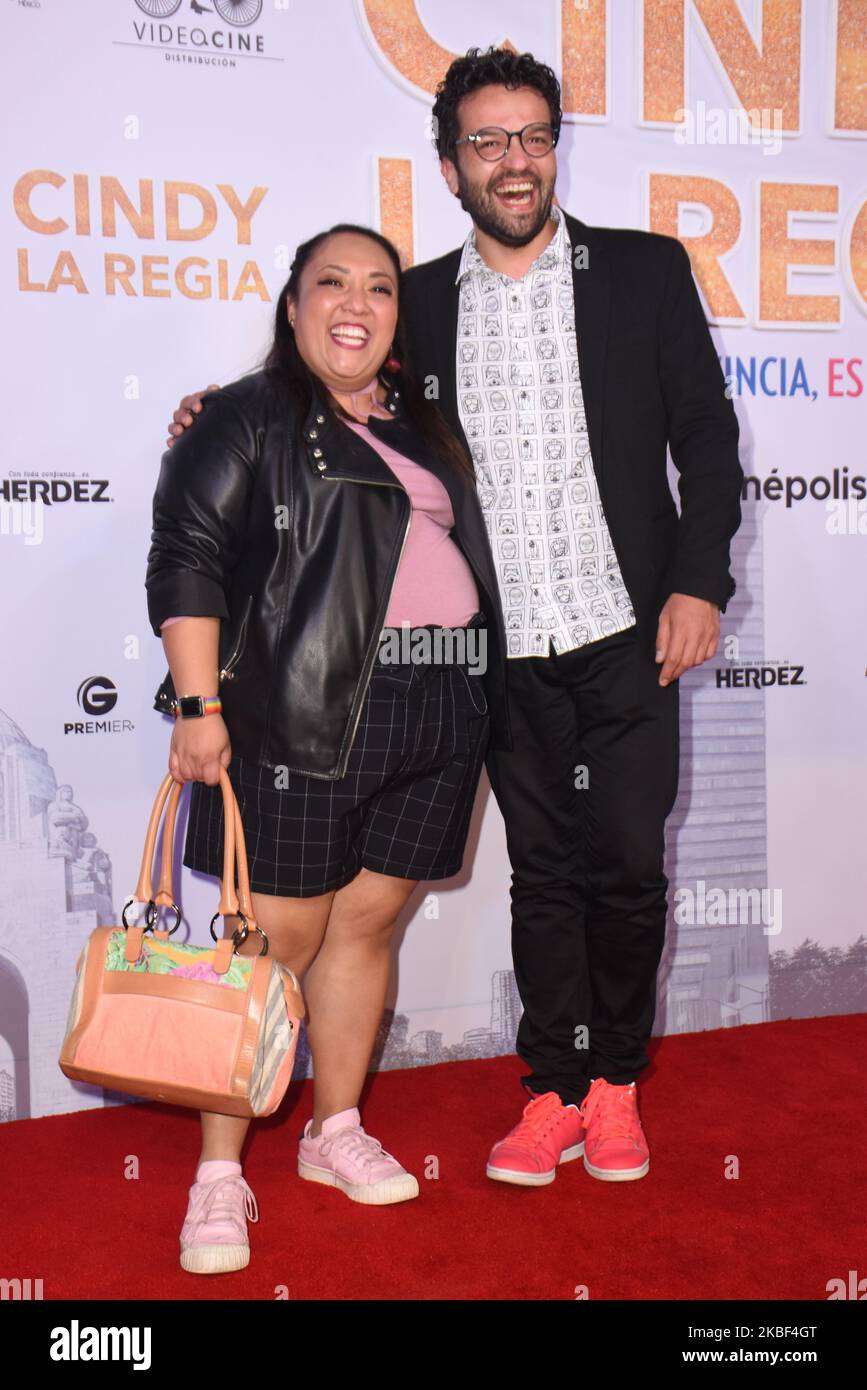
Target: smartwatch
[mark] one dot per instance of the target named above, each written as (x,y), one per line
(195,706)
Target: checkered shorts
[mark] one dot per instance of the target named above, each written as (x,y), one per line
(403,808)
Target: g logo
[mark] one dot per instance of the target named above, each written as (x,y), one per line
(97,695)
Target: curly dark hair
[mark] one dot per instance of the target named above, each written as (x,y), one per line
(495,67)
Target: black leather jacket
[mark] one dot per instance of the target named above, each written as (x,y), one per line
(295,547)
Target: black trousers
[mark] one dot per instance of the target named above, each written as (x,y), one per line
(588,886)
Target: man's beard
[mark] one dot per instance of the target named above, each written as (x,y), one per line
(489,218)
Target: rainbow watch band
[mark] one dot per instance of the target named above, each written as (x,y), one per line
(194,706)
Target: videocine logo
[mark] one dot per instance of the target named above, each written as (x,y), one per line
(216,34)
(76,1343)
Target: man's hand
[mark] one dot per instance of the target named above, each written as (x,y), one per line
(186,413)
(687,635)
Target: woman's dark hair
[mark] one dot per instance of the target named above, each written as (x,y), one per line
(496,67)
(292,380)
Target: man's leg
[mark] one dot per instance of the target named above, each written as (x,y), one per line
(544,816)
(629,741)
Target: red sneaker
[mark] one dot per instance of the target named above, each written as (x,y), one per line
(549,1133)
(616,1149)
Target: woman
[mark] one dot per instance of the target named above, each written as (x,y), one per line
(316,502)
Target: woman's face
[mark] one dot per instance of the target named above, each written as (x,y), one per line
(346,311)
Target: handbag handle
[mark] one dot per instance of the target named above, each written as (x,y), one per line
(234,847)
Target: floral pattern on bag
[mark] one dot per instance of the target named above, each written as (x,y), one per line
(186,962)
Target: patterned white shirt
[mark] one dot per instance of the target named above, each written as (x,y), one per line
(522,410)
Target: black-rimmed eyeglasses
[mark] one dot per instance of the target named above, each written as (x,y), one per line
(537,140)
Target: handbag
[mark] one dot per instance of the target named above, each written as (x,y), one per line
(197,1026)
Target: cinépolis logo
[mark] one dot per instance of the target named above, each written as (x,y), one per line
(793,488)
(77,1343)
(218,34)
(843,495)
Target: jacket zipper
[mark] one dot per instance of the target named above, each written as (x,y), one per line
(226,673)
(366,673)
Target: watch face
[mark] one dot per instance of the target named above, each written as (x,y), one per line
(190,706)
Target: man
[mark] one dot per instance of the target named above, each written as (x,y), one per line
(569,357)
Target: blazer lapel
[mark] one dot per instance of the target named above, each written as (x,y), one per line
(443,307)
(592,287)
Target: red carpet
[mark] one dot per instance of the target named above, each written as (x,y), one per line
(786,1099)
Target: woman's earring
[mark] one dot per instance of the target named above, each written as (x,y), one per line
(391,363)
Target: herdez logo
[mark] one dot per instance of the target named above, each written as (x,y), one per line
(97,695)
(752,675)
(52,487)
(189,31)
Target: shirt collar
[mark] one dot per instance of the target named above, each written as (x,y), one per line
(554,255)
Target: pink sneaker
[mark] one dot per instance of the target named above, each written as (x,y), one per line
(343,1156)
(214,1234)
(616,1149)
(548,1134)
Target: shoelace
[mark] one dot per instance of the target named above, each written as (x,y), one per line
(218,1201)
(617,1115)
(539,1116)
(355,1143)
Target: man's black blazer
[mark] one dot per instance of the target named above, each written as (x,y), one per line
(650,379)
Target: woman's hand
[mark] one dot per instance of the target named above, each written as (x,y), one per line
(198,748)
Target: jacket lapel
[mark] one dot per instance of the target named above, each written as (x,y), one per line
(443,305)
(592,286)
(343,454)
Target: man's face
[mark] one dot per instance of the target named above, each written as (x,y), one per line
(509,198)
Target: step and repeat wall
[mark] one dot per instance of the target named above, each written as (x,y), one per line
(162,160)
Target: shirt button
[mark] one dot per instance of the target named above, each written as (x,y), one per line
(321,467)
(317,453)
(314,434)
(320,419)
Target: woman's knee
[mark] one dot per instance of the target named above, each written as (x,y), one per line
(294,927)
(368,907)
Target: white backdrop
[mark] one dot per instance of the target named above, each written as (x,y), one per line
(134,145)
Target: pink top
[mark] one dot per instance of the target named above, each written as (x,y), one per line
(434,582)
